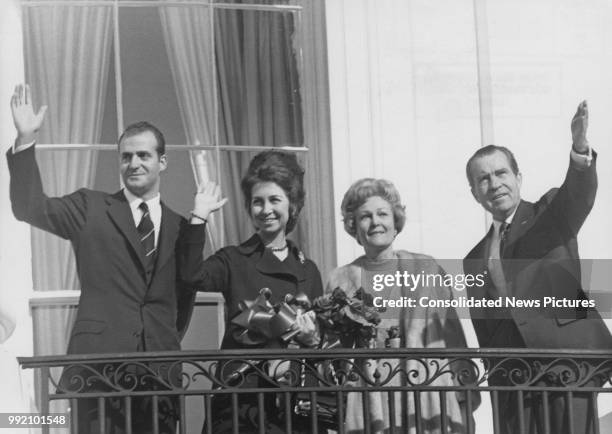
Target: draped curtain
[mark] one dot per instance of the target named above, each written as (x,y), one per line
(259,98)
(67,53)
(189,44)
(257,85)
(67,56)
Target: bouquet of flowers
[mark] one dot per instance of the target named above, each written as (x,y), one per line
(346,321)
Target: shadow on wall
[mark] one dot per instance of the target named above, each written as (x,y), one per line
(605,423)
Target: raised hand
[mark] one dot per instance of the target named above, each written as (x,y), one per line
(580,122)
(26,121)
(207,200)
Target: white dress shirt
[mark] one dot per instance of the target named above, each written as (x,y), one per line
(155,210)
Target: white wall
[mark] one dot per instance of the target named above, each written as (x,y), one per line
(15,257)
(404,106)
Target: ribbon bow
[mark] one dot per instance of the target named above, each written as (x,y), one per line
(260,321)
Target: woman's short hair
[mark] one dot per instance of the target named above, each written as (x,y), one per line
(361,191)
(283,169)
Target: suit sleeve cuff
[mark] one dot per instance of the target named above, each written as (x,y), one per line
(194,233)
(17,149)
(581,161)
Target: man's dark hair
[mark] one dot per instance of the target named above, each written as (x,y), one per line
(140,127)
(488,150)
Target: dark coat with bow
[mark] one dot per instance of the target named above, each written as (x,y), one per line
(540,259)
(240,272)
(121,306)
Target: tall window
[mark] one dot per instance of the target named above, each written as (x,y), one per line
(229,78)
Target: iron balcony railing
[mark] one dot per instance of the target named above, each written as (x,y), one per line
(312,387)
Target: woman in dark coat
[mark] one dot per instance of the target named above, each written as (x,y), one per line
(274,195)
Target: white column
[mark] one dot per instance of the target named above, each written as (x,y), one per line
(15,254)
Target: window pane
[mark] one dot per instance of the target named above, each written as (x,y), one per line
(258,66)
(147,84)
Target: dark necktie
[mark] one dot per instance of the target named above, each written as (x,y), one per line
(146,230)
(494,261)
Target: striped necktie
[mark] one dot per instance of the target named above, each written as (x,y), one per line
(494,264)
(146,230)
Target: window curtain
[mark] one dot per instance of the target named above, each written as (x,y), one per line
(259,98)
(253,97)
(67,53)
(238,84)
(67,56)
(189,44)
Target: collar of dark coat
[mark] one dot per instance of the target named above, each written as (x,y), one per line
(267,263)
(520,224)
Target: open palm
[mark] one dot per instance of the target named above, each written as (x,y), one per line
(26,120)
(207,200)
(580,123)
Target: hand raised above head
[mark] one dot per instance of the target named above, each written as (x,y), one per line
(26,121)
(207,200)
(580,123)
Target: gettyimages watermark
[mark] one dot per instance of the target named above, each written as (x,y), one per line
(561,289)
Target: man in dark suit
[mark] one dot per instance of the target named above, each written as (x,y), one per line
(529,253)
(129,247)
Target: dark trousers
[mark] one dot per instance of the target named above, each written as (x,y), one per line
(88,419)
(510,404)
(116,420)
(559,405)
(247,413)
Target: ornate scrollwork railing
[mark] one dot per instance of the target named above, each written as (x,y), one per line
(335,371)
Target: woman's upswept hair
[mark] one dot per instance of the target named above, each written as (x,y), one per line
(283,169)
(361,191)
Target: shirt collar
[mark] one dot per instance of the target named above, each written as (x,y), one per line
(135,201)
(508,221)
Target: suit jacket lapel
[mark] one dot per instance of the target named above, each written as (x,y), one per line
(121,215)
(520,224)
(168,234)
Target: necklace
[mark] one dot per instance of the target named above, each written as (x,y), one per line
(278,249)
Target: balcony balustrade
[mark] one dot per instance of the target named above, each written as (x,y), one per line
(313,385)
